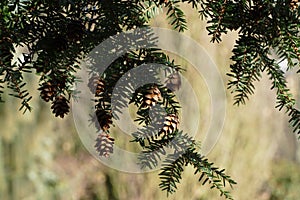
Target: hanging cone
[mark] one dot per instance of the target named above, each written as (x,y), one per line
(60,106)
(60,82)
(96,85)
(103,119)
(151,97)
(171,124)
(104,144)
(173,82)
(48,91)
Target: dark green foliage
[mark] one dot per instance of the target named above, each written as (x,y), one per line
(176,16)
(264,27)
(184,151)
(174,166)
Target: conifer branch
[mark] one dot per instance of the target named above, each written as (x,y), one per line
(58,34)
(176,15)
(174,165)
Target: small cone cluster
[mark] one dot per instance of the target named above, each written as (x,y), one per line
(96,85)
(60,106)
(151,97)
(48,91)
(103,120)
(171,124)
(104,144)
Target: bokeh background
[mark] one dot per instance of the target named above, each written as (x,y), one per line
(42,157)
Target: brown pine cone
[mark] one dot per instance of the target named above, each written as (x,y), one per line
(60,106)
(151,97)
(103,119)
(171,124)
(104,144)
(48,91)
(96,85)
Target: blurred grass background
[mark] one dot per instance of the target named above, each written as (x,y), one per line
(41,157)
